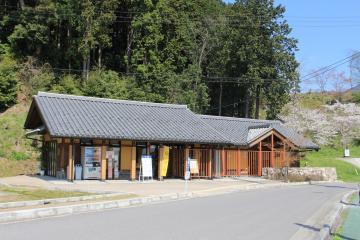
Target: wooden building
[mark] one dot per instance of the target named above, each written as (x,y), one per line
(95,138)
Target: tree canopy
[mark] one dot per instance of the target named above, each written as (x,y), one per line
(222,59)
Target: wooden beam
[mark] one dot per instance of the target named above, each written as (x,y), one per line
(210,163)
(223,162)
(284,152)
(133,163)
(260,160)
(70,166)
(103,162)
(61,162)
(272,151)
(238,157)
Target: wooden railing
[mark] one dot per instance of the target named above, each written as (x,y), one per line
(228,162)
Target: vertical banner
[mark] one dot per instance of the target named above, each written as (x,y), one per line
(165,161)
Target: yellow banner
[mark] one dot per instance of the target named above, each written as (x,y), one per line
(165,161)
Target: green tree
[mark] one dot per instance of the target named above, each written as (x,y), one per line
(106,84)
(8,79)
(68,84)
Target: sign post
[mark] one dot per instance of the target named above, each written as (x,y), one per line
(187,174)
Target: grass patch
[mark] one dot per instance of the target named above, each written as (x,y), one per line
(25,194)
(329,157)
(13,168)
(17,154)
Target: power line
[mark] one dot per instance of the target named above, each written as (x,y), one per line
(327,69)
(328,66)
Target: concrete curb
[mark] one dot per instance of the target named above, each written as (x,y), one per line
(326,231)
(89,207)
(19,215)
(57,200)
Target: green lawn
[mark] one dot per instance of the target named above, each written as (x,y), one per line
(10,194)
(329,157)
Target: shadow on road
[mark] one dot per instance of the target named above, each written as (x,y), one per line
(342,236)
(315,229)
(333,186)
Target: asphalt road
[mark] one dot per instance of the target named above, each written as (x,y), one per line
(275,213)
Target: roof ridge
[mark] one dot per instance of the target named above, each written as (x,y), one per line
(238,119)
(98,99)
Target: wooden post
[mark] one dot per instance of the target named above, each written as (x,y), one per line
(284,150)
(61,162)
(260,160)
(238,155)
(133,163)
(272,151)
(223,162)
(70,167)
(103,162)
(210,163)
(186,156)
(283,154)
(160,163)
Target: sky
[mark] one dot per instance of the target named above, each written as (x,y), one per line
(327,31)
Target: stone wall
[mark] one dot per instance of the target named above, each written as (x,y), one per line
(295,174)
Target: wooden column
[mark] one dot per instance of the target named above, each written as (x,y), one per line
(210,163)
(284,152)
(260,160)
(70,165)
(238,158)
(103,162)
(186,156)
(160,163)
(223,162)
(61,161)
(272,151)
(133,163)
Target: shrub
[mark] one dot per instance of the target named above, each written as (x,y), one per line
(18,156)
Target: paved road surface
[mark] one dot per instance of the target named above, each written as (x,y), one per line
(274,213)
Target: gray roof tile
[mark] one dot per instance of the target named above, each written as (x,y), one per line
(88,117)
(237,130)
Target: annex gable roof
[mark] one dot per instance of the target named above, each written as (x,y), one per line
(99,118)
(242,131)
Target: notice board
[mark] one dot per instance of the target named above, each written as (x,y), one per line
(146,166)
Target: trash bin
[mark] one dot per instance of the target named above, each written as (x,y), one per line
(78,172)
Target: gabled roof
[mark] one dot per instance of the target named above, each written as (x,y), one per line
(242,131)
(255,133)
(99,118)
(88,117)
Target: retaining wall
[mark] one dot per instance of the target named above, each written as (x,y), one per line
(295,174)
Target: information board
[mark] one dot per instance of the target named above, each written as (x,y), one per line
(194,167)
(146,166)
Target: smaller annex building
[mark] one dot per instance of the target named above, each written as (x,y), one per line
(96,138)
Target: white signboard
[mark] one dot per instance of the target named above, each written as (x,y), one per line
(194,167)
(146,166)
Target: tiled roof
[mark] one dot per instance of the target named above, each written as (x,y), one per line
(99,118)
(237,130)
(88,117)
(255,133)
